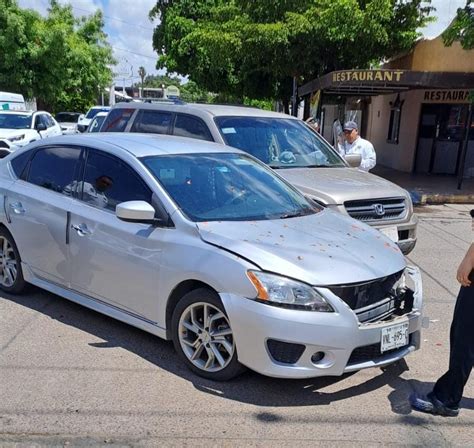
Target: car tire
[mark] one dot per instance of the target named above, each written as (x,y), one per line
(11,273)
(203,338)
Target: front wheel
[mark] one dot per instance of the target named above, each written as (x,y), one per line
(203,337)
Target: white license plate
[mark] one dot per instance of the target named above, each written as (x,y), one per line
(391,232)
(394,337)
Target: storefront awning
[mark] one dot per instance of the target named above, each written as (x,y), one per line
(379,82)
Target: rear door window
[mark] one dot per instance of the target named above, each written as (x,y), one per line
(152,121)
(55,169)
(192,127)
(117,120)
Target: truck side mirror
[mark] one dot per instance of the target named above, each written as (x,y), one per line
(354,160)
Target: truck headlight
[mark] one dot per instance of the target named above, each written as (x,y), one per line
(16,138)
(281,291)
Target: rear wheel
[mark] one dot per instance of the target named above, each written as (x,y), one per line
(11,274)
(203,337)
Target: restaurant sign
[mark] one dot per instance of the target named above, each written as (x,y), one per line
(446,96)
(350,76)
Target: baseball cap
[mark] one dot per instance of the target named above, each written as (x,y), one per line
(350,125)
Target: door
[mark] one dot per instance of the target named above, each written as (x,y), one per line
(441,133)
(37,208)
(114,261)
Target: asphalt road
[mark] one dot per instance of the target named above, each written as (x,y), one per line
(72,377)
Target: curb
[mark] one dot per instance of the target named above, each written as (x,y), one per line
(420,198)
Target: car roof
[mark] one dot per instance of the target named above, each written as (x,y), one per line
(99,107)
(19,112)
(140,145)
(216,110)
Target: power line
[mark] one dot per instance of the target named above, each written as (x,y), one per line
(133,52)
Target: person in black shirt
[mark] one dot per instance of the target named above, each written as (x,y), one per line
(447,393)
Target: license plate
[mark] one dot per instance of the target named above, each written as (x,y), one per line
(394,337)
(391,232)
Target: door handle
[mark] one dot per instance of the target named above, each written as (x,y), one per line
(81,229)
(17,208)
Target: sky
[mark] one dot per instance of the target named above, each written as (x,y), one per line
(130,30)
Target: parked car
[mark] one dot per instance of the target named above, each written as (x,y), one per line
(288,145)
(96,122)
(84,120)
(205,245)
(68,122)
(12,101)
(18,128)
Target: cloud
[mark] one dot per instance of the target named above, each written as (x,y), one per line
(130,34)
(129,30)
(445,12)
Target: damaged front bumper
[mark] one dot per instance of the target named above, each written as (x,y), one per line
(289,343)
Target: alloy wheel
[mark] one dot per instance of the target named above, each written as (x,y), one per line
(206,337)
(8,263)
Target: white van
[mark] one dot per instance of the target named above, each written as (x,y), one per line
(12,101)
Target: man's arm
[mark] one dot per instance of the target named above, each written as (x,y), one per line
(466,267)
(368,157)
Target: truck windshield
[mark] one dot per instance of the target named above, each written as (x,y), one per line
(15,121)
(278,142)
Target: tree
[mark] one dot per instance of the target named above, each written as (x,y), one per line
(60,60)
(461,28)
(142,74)
(253,48)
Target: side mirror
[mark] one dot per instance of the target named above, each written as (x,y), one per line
(354,160)
(81,117)
(135,211)
(41,127)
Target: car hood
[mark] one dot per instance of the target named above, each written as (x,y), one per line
(326,248)
(338,185)
(7,133)
(67,124)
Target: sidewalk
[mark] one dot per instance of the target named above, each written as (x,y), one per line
(430,189)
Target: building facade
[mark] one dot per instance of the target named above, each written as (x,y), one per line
(415,109)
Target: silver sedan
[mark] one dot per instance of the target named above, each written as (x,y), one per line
(203,244)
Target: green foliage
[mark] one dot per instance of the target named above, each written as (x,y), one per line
(60,60)
(192,93)
(462,28)
(253,48)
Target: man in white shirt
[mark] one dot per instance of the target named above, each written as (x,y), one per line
(357,145)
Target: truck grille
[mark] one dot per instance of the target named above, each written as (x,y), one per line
(377,210)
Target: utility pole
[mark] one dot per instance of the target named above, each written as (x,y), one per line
(465,144)
(294,98)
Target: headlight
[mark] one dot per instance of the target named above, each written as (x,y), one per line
(16,138)
(281,291)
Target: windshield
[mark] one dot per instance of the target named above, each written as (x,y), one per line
(67,117)
(278,142)
(93,112)
(96,123)
(226,187)
(15,121)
